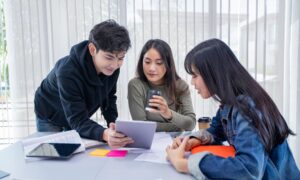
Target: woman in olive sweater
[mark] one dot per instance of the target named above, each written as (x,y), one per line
(173,109)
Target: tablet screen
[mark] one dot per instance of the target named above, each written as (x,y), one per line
(53,150)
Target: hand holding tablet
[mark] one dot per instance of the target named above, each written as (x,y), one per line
(142,132)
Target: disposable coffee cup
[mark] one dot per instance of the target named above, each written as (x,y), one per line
(204,122)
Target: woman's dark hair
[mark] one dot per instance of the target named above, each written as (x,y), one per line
(171,75)
(226,79)
(110,36)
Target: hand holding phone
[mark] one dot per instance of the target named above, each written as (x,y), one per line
(150,95)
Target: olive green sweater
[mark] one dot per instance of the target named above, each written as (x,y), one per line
(183,118)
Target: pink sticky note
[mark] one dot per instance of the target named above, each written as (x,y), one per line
(117,153)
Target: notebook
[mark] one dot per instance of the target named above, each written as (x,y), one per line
(218,150)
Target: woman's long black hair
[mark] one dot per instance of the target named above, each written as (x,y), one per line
(226,79)
(171,75)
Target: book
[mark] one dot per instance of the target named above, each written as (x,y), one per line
(218,150)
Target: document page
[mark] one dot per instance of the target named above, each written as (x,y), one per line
(157,153)
(90,143)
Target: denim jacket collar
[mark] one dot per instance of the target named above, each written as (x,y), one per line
(226,110)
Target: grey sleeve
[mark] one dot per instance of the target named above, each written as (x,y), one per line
(136,101)
(193,164)
(167,127)
(186,118)
(204,136)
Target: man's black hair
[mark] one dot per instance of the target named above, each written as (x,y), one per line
(110,36)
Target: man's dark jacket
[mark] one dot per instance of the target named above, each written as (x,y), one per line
(72,92)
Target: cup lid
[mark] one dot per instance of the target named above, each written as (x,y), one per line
(204,120)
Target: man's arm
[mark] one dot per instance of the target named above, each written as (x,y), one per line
(75,109)
(109,108)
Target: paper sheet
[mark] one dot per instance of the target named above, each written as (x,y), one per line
(157,154)
(89,143)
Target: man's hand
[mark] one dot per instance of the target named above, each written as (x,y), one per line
(115,139)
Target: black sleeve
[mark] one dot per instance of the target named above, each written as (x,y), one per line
(109,110)
(75,109)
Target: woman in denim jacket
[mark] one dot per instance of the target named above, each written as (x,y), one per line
(247,118)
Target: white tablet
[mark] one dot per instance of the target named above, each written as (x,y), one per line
(142,132)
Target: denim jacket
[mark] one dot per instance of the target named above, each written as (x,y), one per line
(251,160)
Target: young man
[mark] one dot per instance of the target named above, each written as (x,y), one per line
(82,82)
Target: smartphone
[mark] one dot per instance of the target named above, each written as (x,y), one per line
(150,95)
(54,150)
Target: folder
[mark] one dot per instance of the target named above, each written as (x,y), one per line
(218,150)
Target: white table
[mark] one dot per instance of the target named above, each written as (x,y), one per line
(83,167)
